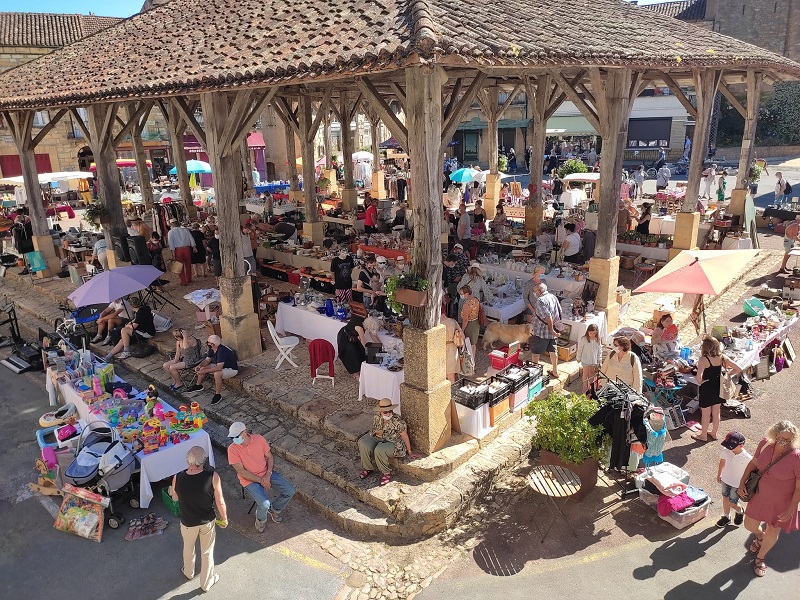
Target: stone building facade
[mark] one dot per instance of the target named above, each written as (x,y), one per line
(27,36)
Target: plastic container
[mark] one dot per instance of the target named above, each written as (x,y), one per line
(534,388)
(499,395)
(500,358)
(474,422)
(664,467)
(679,520)
(469,393)
(172,505)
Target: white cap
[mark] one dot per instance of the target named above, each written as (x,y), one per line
(236,429)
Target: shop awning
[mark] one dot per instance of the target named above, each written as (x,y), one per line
(254,140)
(576,125)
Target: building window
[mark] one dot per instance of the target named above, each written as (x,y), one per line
(649,133)
(41,118)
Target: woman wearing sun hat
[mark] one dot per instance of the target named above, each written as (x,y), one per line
(387,438)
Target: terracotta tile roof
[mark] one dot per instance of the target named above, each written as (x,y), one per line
(42,30)
(189,46)
(685,10)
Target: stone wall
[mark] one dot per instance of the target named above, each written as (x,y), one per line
(761,23)
(11,57)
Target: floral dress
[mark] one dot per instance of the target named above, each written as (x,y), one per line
(389,431)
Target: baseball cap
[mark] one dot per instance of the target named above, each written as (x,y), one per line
(732,440)
(458,246)
(236,429)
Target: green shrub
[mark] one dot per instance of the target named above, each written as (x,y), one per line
(573,165)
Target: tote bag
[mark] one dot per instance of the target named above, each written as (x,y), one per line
(728,390)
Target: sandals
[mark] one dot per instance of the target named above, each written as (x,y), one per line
(553,374)
(755,547)
(364,474)
(386,478)
(759,568)
(699,439)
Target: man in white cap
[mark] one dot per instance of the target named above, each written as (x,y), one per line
(251,457)
(220,362)
(182,244)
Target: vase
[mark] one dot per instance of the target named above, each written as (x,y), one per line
(586,472)
(411,297)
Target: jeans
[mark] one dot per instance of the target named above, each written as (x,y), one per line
(278,485)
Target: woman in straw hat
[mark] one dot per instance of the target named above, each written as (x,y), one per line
(388,438)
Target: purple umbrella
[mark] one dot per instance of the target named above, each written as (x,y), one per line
(113,284)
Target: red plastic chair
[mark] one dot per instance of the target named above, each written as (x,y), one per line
(320,352)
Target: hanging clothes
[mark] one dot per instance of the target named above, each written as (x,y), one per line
(622,418)
(655,445)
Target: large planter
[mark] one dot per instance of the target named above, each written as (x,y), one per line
(586,472)
(411,297)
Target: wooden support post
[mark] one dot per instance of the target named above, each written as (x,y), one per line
(754,80)
(313,227)
(20,124)
(538,92)
(378,188)
(326,140)
(247,167)
(706,82)
(139,154)
(346,111)
(177,127)
(489,101)
(238,323)
(101,120)
(425,394)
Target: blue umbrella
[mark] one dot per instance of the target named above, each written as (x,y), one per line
(463,175)
(193,166)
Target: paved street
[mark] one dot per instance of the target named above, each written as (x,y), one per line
(38,561)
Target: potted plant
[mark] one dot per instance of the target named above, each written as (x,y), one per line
(96,213)
(753,175)
(565,438)
(408,289)
(662,241)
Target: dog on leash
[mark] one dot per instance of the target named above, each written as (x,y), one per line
(505,333)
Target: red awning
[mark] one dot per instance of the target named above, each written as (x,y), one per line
(256,140)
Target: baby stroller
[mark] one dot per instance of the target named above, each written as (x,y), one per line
(104,464)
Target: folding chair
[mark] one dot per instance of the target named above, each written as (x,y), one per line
(320,352)
(244,497)
(284,345)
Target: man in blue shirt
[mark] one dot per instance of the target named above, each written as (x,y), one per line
(219,362)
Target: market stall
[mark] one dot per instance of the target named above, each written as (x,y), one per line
(377,381)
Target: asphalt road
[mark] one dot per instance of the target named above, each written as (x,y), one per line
(38,561)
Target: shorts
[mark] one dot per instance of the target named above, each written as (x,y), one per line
(228,373)
(729,492)
(541,345)
(788,244)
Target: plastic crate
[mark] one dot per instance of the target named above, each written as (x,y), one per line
(500,358)
(517,376)
(679,520)
(501,391)
(469,398)
(519,399)
(172,505)
(535,371)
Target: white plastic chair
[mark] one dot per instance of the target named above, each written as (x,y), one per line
(284,345)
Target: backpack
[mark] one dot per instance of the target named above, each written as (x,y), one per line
(787,189)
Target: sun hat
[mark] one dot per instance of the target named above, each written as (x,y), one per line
(476,265)
(732,440)
(236,429)
(171,221)
(385,405)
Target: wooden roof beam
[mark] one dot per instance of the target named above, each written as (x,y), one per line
(456,114)
(379,104)
(726,91)
(678,93)
(187,115)
(568,88)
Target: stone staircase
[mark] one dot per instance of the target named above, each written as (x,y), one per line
(317,439)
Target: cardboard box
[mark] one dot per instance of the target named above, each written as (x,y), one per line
(623,297)
(567,352)
(628,260)
(212,328)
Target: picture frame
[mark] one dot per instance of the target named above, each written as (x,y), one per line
(762,368)
(2,272)
(590,289)
(789,352)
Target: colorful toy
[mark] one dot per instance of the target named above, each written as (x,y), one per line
(58,417)
(151,434)
(195,408)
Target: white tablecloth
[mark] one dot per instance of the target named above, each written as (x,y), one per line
(732,243)
(506,309)
(662,225)
(579,327)
(568,286)
(311,325)
(377,382)
(156,466)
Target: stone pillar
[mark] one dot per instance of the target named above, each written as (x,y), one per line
(378,185)
(686,228)
(44,244)
(315,231)
(378,181)
(425,394)
(330,174)
(349,199)
(239,323)
(605,271)
(533,220)
(492,195)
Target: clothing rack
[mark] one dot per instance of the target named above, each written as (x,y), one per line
(628,391)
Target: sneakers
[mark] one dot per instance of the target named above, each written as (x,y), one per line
(738,518)
(260,525)
(106,342)
(216,398)
(723,521)
(97,338)
(275,516)
(175,388)
(124,354)
(193,388)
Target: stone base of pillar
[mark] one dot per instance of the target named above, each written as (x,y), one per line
(492,195)
(239,323)
(379,185)
(533,220)
(736,205)
(425,394)
(315,231)
(686,226)
(605,271)
(192,211)
(349,199)
(114,262)
(330,175)
(44,244)
(297,197)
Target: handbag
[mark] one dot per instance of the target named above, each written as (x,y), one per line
(483,320)
(458,338)
(751,484)
(728,390)
(467,361)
